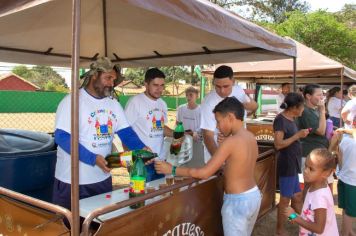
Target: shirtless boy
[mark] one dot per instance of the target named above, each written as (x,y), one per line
(239,152)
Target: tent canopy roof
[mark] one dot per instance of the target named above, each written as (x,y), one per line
(310,64)
(134,33)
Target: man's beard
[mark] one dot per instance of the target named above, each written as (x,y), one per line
(104,91)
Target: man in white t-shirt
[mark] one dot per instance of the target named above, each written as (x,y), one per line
(285,89)
(100,118)
(224,84)
(349,110)
(189,113)
(147,114)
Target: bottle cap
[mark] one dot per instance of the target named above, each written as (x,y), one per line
(107,196)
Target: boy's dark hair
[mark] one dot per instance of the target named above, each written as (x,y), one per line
(223,72)
(284,84)
(292,100)
(191,89)
(153,73)
(231,104)
(310,89)
(329,159)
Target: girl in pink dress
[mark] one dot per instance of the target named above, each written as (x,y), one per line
(318,215)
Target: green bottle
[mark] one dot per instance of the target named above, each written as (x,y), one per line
(137,181)
(178,133)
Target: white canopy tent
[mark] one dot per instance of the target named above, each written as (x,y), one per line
(134,33)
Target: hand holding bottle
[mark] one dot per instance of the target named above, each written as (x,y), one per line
(101,163)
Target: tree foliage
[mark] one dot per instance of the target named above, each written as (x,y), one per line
(42,76)
(324,33)
(173,74)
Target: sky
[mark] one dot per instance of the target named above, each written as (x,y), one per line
(329,5)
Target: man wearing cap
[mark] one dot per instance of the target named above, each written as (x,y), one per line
(100,117)
(147,114)
(224,84)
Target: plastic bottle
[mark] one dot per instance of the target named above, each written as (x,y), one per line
(137,181)
(178,134)
(329,129)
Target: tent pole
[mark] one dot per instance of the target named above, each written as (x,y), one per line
(342,90)
(294,74)
(75,228)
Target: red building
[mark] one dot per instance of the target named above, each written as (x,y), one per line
(15,82)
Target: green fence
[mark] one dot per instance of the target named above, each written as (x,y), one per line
(47,102)
(35,102)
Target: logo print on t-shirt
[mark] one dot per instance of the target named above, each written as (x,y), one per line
(103,123)
(156,118)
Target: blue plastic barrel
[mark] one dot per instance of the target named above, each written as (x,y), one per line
(27,162)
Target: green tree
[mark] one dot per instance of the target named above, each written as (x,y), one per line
(137,75)
(42,76)
(347,15)
(324,33)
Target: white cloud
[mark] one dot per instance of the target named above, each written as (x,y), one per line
(329,5)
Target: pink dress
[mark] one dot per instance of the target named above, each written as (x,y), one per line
(321,198)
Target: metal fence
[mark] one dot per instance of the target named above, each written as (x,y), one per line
(30,110)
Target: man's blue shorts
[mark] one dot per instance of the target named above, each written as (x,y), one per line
(289,185)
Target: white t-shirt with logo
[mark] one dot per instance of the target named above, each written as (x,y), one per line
(189,117)
(148,118)
(208,121)
(99,119)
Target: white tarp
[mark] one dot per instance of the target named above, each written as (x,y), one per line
(138,32)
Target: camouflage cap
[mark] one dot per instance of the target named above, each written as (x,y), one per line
(104,64)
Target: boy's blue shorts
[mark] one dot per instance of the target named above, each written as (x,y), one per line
(289,185)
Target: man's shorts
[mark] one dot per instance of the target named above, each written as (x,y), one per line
(239,212)
(301,179)
(62,191)
(289,185)
(347,198)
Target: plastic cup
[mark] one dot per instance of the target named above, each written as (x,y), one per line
(169,180)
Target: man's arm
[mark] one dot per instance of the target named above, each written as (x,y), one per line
(130,139)
(322,121)
(168,132)
(208,138)
(63,138)
(250,106)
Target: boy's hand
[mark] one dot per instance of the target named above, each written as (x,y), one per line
(288,211)
(163,167)
(101,163)
(221,138)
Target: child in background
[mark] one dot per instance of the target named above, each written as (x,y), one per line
(189,113)
(344,142)
(318,215)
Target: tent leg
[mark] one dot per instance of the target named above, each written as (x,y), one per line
(294,74)
(75,228)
